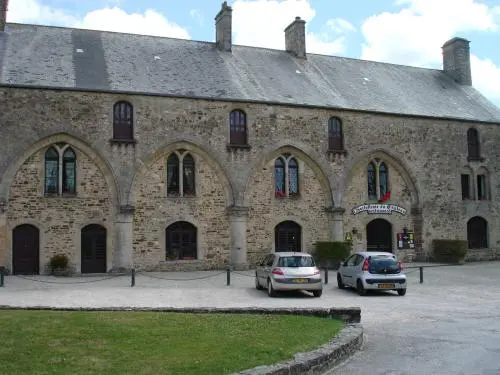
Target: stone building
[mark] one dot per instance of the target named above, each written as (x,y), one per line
(158,153)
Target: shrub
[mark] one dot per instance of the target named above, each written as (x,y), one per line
(330,254)
(449,251)
(59,261)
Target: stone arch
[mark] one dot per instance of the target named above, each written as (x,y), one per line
(191,147)
(305,154)
(394,162)
(83,146)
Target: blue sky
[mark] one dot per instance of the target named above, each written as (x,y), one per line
(409,32)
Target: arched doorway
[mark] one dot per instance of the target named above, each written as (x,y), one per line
(288,237)
(477,233)
(379,235)
(25,250)
(93,248)
(180,241)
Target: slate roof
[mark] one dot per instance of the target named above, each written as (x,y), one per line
(47,56)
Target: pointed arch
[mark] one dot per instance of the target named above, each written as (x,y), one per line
(94,155)
(395,163)
(308,158)
(192,148)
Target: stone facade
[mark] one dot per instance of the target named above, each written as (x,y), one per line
(122,185)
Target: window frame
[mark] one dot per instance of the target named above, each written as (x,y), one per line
(286,159)
(123,128)
(335,135)
(238,128)
(182,229)
(181,192)
(468,189)
(62,163)
(473,145)
(376,164)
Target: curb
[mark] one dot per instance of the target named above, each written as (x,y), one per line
(344,345)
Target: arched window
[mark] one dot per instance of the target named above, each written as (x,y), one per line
(238,128)
(286,176)
(180,185)
(383,178)
(60,170)
(279,171)
(293,177)
(51,171)
(288,237)
(335,135)
(69,171)
(188,175)
(378,181)
(477,233)
(173,186)
(372,185)
(180,241)
(473,144)
(123,121)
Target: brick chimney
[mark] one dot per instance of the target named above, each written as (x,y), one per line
(3,13)
(223,21)
(456,60)
(295,38)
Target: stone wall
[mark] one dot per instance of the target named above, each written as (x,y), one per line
(60,219)
(425,157)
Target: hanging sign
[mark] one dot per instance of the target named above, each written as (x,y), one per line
(379,208)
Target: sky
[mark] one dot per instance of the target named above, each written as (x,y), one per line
(408,32)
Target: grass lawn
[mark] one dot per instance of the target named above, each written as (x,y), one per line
(61,342)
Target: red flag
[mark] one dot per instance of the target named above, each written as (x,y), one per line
(385,197)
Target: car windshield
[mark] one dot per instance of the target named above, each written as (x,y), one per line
(383,264)
(296,261)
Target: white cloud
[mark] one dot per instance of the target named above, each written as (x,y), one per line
(261,23)
(109,19)
(415,35)
(197,16)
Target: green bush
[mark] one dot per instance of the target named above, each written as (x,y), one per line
(449,251)
(59,261)
(330,254)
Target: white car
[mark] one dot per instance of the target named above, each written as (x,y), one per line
(284,271)
(370,270)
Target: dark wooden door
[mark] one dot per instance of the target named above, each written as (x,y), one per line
(93,249)
(287,237)
(25,250)
(379,235)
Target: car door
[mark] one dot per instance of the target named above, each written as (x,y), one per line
(260,267)
(347,270)
(268,266)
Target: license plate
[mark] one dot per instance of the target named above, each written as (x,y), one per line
(301,281)
(386,286)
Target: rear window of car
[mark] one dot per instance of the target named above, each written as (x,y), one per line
(296,261)
(378,263)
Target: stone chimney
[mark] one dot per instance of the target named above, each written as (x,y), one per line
(3,13)
(295,38)
(223,21)
(456,60)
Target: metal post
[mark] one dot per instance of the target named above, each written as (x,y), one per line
(132,283)
(228,276)
(326,275)
(421,275)
(1,276)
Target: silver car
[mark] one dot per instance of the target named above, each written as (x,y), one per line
(284,271)
(369,270)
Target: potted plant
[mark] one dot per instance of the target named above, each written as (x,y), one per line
(59,265)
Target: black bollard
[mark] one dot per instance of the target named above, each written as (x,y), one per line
(228,276)
(326,275)
(1,276)
(132,282)
(421,275)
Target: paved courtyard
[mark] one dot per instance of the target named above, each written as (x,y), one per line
(450,324)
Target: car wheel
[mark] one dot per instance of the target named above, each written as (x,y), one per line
(340,284)
(401,292)
(270,289)
(257,284)
(360,289)
(317,293)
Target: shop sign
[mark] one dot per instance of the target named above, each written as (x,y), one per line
(379,208)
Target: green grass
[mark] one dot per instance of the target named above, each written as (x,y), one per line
(61,342)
